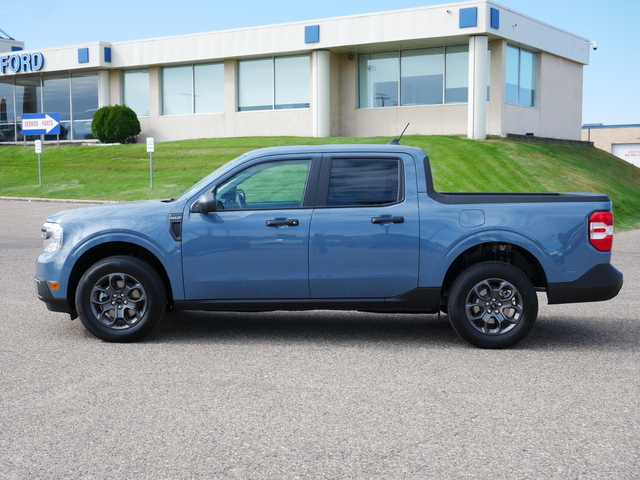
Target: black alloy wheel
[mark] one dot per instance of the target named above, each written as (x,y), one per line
(120,299)
(492,305)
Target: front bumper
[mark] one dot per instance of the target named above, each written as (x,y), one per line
(53,304)
(602,282)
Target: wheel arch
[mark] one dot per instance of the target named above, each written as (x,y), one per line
(110,249)
(505,252)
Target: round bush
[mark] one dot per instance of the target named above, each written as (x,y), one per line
(115,124)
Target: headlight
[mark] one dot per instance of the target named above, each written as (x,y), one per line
(51,237)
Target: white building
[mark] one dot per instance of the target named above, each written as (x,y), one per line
(473,68)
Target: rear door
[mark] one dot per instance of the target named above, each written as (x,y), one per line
(365,229)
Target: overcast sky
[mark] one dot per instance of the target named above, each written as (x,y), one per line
(611,80)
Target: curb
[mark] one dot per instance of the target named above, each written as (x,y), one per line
(58,200)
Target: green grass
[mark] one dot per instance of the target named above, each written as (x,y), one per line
(121,172)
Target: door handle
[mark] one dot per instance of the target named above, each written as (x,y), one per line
(387,219)
(279,222)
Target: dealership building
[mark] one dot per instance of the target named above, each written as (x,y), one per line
(474,68)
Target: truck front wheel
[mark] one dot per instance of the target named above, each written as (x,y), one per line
(120,299)
(492,305)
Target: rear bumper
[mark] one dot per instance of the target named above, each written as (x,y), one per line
(602,282)
(53,304)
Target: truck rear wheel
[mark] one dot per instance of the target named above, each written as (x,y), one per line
(120,299)
(492,305)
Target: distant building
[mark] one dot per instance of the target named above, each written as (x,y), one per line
(621,140)
(474,68)
(8,43)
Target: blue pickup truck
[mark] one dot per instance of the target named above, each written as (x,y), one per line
(341,227)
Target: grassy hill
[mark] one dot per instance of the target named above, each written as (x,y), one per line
(121,172)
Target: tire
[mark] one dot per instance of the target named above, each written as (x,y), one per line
(492,305)
(120,299)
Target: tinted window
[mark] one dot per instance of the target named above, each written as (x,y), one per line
(364,182)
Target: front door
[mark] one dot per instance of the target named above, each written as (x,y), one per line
(255,246)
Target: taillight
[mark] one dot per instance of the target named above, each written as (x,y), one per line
(601,230)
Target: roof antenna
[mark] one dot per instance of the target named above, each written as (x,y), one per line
(396,141)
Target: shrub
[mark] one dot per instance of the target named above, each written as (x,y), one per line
(115,124)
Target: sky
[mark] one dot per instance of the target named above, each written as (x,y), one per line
(611,80)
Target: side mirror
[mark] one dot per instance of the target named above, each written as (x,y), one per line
(205,204)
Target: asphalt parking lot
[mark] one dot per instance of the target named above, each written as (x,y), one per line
(316,395)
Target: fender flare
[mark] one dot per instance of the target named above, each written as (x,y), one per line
(170,260)
(443,263)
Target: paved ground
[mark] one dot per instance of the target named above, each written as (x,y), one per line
(313,395)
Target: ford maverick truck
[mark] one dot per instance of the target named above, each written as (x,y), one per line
(356,227)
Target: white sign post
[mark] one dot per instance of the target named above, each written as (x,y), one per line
(38,148)
(150,149)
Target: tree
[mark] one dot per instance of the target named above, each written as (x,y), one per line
(115,124)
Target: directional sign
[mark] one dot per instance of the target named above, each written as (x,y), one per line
(40,123)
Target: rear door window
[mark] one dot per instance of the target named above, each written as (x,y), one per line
(364,182)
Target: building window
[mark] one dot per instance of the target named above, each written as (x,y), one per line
(274,83)
(74,97)
(378,76)
(292,82)
(193,89)
(177,90)
(56,97)
(522,73)
(428,76)
(208,88)
(84,103)
(7,111)
(136,91)
(28,91)
(255,84)
(457,74)
(422,81)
